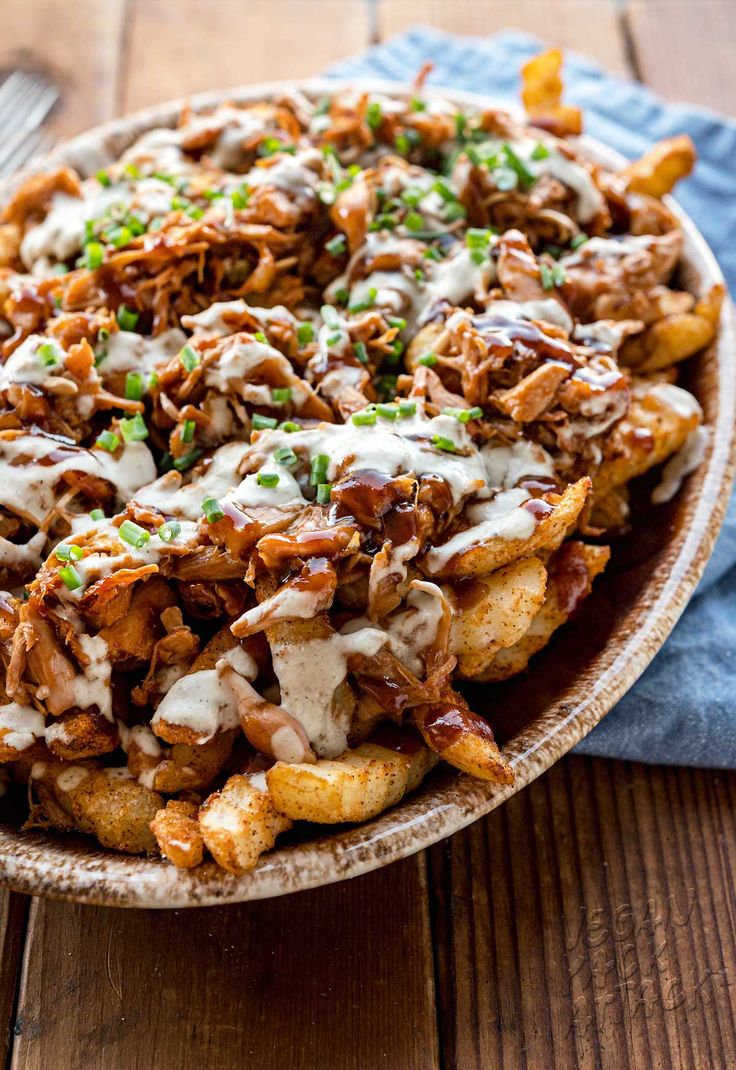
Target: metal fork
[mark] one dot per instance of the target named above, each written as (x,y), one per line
(26,99)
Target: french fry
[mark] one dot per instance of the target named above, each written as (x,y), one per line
(566,587)
(541,94)
(178,835)
(486,556)
(659,169)
(239,823)
(357,785)
(494,612)
(463,739)
(676,337)
(116,810)
(81,734)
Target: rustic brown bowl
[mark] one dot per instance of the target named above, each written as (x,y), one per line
(572,684)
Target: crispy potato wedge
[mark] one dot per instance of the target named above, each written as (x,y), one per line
(486,556)
(494,611)
(239,823)
(81,734)
(357,785)
(659,420)
(178,835)
(463,739)
(659,169)
(541,94)
(116,810)
(676,337)
(572,571)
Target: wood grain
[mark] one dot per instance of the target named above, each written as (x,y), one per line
(13,918)
(597,911)
(77,44)
(685,50)
(177,48)
(338,977)
(590,26)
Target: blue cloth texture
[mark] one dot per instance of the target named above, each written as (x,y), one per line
(682,711)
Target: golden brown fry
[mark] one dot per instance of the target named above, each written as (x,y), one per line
(239,823)
(463,739)
(676,337)
(659,169)
(178,835)
(541,94)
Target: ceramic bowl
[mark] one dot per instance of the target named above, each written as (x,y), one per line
(572,684)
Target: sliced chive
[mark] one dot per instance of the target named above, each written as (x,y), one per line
(441,187)
(63,552)
(169,530)
(552,276)
(477,238)
(443,443)
(318,469)
(368,301)
(134,386)
(414,221)
(524,175)
(97,514)
(475,413)
(285,456)
(289,427)
(260,337)
(396,321)
(304,334)
(49,354)
(361,353)
(430,253)
(342,296)
(93,255)
(540,151)
(334,339)
(281,394)
(127,318)
(407,408)
(103,178)
(388,412)
(189,358)
(330,315)
(336,246)
(373,115)
(70,577)
(239,198)
(187,430)
(267,479)
(364,419)
(419,275)
(133,534)
(76,552)
(212,510)
(108,440)
(428,360)
(417,104)
(183,463)
(134,429)
(464,416)
(324,490)
(578,240)
(261,423)
(454,211)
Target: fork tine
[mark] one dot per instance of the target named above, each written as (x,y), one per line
(32,143)
(35,99)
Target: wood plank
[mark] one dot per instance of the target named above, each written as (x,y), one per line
(685,51)
(177,47)
(76,44)
(13,919)
(340,977)
(589,26)
(596,909)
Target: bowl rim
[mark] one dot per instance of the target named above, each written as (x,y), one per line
(53,866)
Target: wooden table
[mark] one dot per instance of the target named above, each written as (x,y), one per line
(588,923)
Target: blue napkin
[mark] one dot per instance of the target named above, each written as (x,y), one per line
(682,710)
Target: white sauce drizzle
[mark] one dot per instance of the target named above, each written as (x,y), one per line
(20,726)
(203,701)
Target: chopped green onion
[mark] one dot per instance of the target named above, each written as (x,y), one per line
(407,408)
(365,418)
(373,115)
(212,510)
(103,178)
(285,456)
(526,178)
(477,238)
(239,198)
(418,105)
(342,295)
(281,394)
(63,552)
(92,257)
(412,196)
(76,552)
(304,333)
(414,221)
(407,140)
(134,386)
(368,301)
(212,194)
(396,321)
(260,337)
(134,430)
(430,253)
(127,319)
(578,240)
(183,463)
(97,514)
(108,440)
(463,416)
(70,577)
(397,348)
(441,187)
(428,360)
(475,413)
(336,246)
(324,490)
(552,276)
(419,275)
(132,171)
(289,427)
(460,124)
(386,386)
(119,237)
(389,412)
(554,251)
(443,443)
(318,469)
(334,339)
(133,534)
(540,151)
(330,315)
(169,530)
(361,352)
(49,354)
(267,479)
(187,430)
(189,358)
(262,423)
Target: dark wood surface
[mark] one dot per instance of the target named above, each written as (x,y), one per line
(591,921)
